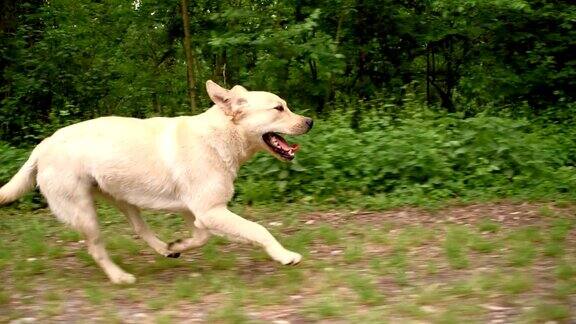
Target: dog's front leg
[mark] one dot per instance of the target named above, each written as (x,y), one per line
(199,236)
(220,220)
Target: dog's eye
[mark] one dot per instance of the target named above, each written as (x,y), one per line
(279,108)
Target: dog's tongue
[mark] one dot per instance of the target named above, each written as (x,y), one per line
(287,146)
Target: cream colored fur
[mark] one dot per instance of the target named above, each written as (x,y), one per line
(182,164)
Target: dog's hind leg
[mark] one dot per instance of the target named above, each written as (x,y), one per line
(142,230)
(71,201)
(199,236)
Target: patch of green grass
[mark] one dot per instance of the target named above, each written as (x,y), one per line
(29,268)
(559,229)
(158,303)
(377,265)
(4,297)
(366,289)
(409,309)
(522,253)
(367,315)
(271,281)
(430,294)
(455,247)
(400,277)
(52,309)
(216,259)
(5,256)
(398,259)
(432,267)
(549,312)
(124,244)
(68,235)
(266,297)
(488,281)
(477,285)
(565,271)
(55,252)
(23,284)
(481,244)
(292,276)
(397,264)
(163,319)
(414,236)
(564,289)
(516,283)
(553,248)
(328,234)
(448,317)
(188,289)
(488,225)
(325,307)
(84,257)
(299,241)
(562,203)
(353,253)
(526,234)
(546,211)
(52,296)
(232,312)
(378,236)
(35,243)
(462,288)
(95,295)
(457,313)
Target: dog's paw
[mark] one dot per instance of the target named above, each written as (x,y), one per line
(173,255)
(291,258)
(174,248)
(284,256)
(123,279)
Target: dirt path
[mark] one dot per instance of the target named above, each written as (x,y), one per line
(495,263)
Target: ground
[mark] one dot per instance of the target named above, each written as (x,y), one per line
(485,263)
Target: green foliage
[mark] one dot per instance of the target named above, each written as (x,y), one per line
(64,61)
(365,68)
(407,160)
(431,157)
(11,159)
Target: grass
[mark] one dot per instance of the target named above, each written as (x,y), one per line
(549,312)
(367,269)
(455,247)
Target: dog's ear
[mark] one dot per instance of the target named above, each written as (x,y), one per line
(238,97)
(219,95)
(238,89)
(231,101)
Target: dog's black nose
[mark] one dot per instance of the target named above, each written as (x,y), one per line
(310,123)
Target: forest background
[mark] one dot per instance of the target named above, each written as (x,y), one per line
(417,101)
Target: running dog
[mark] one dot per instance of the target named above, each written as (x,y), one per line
(182,164)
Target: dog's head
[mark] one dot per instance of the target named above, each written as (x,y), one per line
(263,116)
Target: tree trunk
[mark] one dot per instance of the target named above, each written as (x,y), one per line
(189,57)
(428,72)
(219,74)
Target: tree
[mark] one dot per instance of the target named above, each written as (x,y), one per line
(190,61)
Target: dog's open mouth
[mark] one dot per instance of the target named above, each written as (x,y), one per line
(280,146)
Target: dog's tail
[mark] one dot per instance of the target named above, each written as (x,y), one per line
(21,182)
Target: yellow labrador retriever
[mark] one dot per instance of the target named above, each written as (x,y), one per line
(182,164)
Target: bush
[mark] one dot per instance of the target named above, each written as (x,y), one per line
(11,159)
(409,160)
(417,158)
